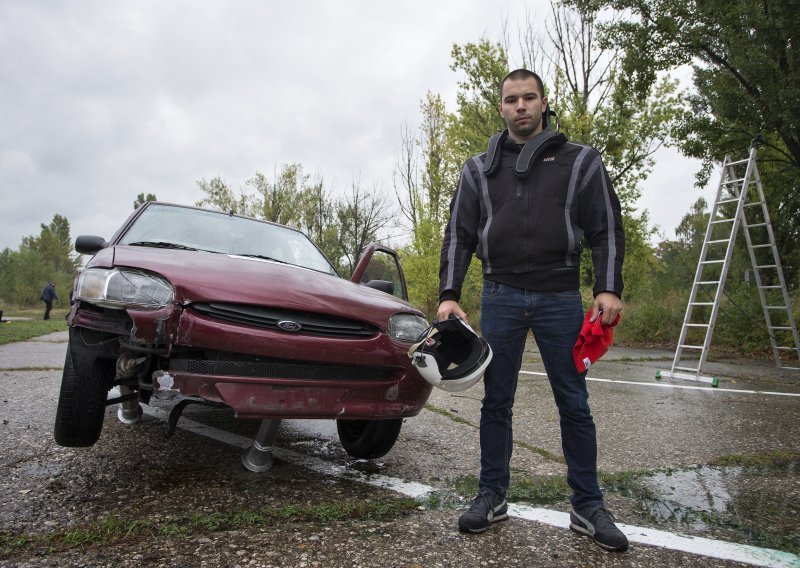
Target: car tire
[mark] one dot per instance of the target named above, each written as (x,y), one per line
(81,405)
(368,439)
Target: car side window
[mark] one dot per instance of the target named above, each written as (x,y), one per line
(383,266)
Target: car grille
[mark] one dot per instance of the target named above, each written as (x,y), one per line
(270,318)
(281,370)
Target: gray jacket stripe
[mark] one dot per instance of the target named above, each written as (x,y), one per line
(451,249)
(453,245)
(573,180)
(590,172)
(612,241)
(488,206)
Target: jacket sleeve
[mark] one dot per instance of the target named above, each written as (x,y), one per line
(601,220)
(460,235)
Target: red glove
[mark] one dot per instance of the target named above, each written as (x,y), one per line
(593,341)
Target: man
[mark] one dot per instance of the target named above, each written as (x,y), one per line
(524,207)
(48,295)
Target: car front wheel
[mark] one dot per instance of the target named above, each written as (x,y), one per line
(368,439)
(81,404)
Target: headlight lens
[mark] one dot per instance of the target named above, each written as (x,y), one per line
(407,327)
(120,289)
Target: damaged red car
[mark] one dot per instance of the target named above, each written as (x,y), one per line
(209,307)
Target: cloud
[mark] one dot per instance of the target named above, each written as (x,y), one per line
(102,101)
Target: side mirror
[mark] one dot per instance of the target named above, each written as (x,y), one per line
(89,244)
(382,285)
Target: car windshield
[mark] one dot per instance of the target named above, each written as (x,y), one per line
(170,226)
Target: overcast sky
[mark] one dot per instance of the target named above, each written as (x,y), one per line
(101,101)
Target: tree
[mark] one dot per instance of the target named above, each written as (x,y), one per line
(483,65)
(142,198)
(426,175)
(48,256)
(220,196)
(318,217)
(361,215)
(54,245)
(747,83)
(278,200)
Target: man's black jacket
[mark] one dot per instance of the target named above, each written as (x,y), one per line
(528,229)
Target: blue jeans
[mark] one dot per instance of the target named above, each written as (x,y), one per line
(555,318)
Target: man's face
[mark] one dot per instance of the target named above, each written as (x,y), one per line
(521,107)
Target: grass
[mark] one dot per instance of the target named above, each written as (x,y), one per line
(544,489)
(22,330)
(448,414)
(775,458)
(112,529)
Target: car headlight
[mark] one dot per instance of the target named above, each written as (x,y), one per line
(407,327)
(121,288)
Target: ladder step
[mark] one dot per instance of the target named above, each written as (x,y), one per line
(773,287)
(777,307)
(753,204)
(701,304)
(713,261)
(767,266)
(731,181)
(709,282)
(756,225)
(780,328)
(696,324)
(737,162)
(722,221)
(782,348)
(691,346)
(761,246)
(731,200)
(719,241)
(692,369)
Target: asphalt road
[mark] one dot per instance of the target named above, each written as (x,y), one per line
(720,489)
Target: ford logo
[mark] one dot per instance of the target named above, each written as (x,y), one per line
(287,325)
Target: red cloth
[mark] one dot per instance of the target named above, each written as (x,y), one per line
(593,341)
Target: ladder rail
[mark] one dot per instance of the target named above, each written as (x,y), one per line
(728,173)
(772,243)
(741,193)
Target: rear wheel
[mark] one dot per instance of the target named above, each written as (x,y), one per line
(82,404)
(368,439)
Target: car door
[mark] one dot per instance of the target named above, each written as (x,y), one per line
(379,268)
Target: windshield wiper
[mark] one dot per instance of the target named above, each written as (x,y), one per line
(261,256)
(160,244)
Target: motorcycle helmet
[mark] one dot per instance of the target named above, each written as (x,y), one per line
(450,355)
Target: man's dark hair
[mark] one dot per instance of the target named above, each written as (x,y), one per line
(521,75)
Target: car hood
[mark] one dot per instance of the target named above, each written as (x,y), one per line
(210,277)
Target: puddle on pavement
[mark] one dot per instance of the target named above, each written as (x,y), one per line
(758,502)
(41,470)
(682,495)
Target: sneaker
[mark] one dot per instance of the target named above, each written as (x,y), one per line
(486,509)
(598,524)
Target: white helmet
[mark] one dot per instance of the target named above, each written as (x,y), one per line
(450,355)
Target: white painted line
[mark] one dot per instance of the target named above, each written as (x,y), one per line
(670,386)
(409,488)
(694,545)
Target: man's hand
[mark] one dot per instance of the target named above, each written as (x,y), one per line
(609,303)
(448,307)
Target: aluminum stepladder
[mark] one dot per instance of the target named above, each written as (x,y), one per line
(739,202)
